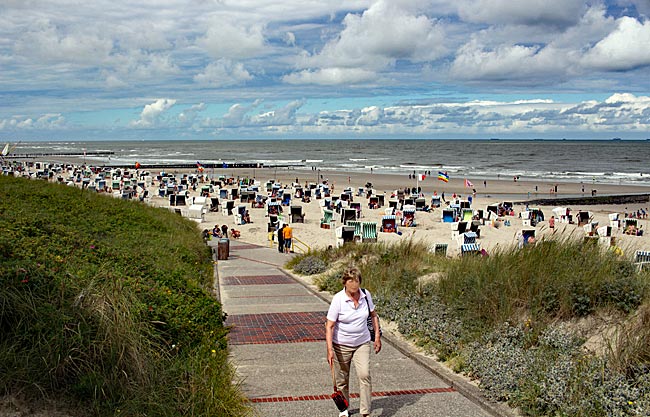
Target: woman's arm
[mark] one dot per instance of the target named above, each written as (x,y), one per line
(375,325)
(329,335)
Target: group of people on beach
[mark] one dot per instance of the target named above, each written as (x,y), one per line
(222,232)
(639,214)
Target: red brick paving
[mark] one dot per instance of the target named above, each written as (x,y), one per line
(257,280)
(277,328)
(353,395)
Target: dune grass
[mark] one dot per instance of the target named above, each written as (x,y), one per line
(555,279)
(508,319)
(105,305)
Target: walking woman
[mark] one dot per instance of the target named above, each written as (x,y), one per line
(348,337)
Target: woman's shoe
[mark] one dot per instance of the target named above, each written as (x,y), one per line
(344,413)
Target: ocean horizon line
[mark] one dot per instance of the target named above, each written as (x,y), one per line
(493,139)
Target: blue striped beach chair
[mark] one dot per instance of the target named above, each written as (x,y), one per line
(469,237)
(470,249)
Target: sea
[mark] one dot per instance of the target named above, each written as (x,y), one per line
(604,161)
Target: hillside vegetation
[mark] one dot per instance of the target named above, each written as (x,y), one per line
(105,306)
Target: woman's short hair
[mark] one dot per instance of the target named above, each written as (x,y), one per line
(351,273)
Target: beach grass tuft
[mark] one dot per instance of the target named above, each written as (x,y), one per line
(554,279)
(106,306)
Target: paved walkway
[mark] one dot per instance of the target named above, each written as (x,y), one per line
(278,347)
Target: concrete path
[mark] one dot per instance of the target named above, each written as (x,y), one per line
(278,347)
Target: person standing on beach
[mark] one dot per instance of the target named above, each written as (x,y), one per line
(281,238)
(287,233)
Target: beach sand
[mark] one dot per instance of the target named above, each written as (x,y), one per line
(430,229)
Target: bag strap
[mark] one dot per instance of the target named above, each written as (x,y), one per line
(367,305)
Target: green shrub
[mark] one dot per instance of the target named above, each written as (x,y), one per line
(310,265)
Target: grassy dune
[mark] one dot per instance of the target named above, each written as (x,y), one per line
(105,306)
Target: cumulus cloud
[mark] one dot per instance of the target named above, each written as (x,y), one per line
(237,114)
(330,76)
(223,73)
(619,113)
(137,66)
(224,39)
(506,63)
(282,116)
(152,113)
(190,115)
(49,121)
(383,34)
(47,42)
(623,49)
(618,45)
(370,116)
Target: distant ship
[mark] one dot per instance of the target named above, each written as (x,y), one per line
(616,138)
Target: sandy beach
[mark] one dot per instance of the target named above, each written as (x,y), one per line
(430,229)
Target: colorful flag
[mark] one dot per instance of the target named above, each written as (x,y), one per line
(421,177)
(137,165)
(199,166)
(468,183)
(443,176)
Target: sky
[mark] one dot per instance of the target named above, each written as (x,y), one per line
(263,69)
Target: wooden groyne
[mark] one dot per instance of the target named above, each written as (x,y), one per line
(218,165)
(46,154)
(589,200)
